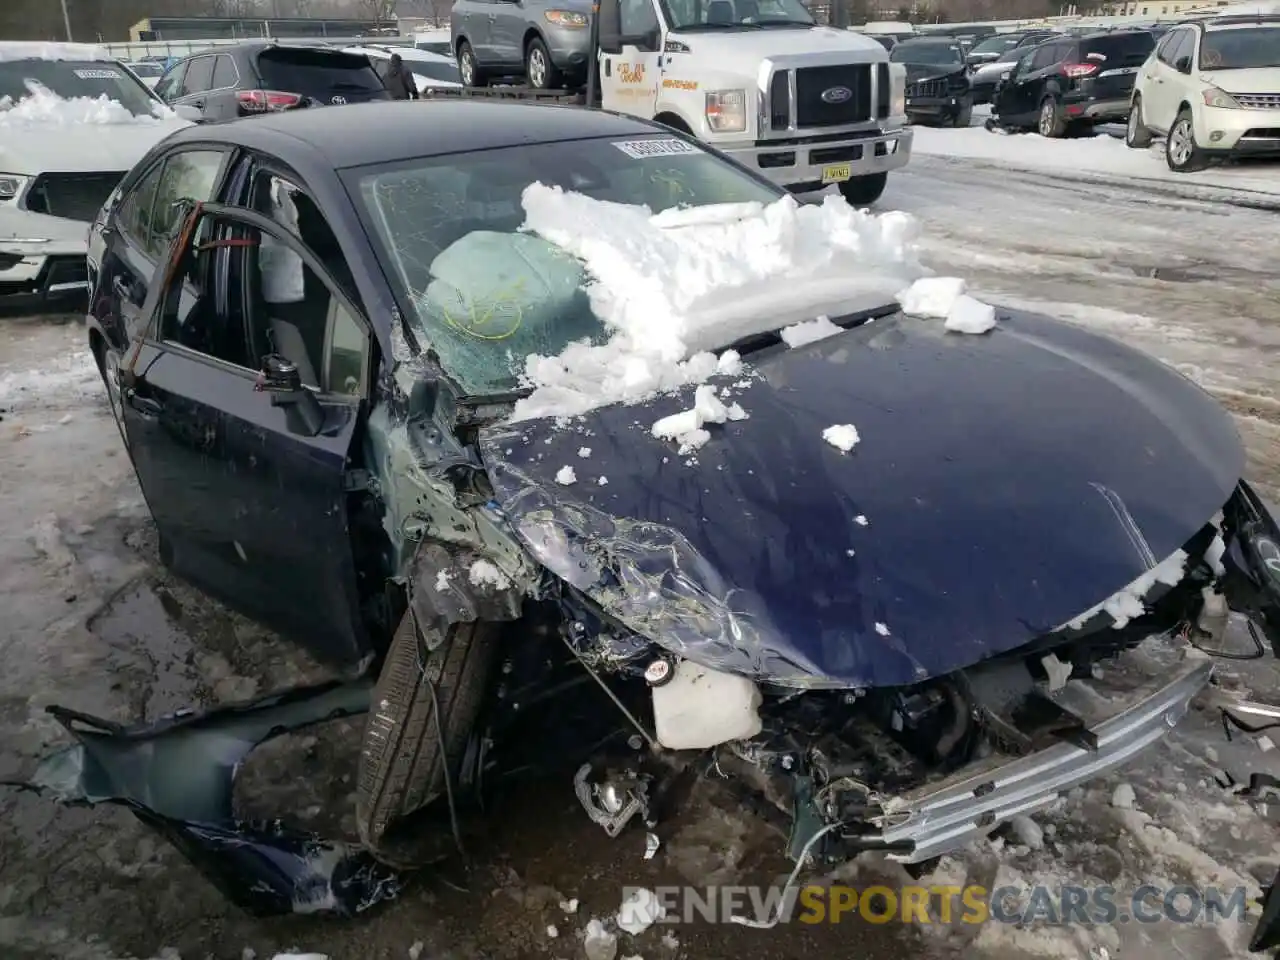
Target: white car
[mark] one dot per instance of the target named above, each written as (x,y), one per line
(73,121)
(1211,88)
(148,71)
(430,70)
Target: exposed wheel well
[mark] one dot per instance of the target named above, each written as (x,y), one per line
(672,120)
(529,37)
(1184,105)
(457,46)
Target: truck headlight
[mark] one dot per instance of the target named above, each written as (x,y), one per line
(726,111)
(10,186)
(565,18)
(1213,97)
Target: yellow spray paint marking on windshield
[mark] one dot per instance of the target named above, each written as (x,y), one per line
(478,317)
(674,182)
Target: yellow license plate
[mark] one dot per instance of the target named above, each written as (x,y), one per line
(837,172)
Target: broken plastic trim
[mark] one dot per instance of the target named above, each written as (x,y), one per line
(177,776)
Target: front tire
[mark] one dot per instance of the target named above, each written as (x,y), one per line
(1181,152)
(1136,134)
(863,191)
(541,73)
(472,75)
(402,765)
(963,117)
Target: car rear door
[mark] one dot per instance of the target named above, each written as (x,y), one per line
(320,76)
(248,484)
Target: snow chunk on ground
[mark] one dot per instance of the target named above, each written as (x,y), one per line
(1123,797)
(44,108)
(1027,831)
(671,286)
(485,574)
(598,942)
(882,629)
(640,910)
(442,580)
(944,298)
(860,520)
(584,452)
(843,436)
(1128,603)
(565,476)
(569,906)
(810,331)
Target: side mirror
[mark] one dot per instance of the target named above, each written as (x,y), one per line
(648,42)
(189,113)
(280,378)
(609,26)
(1182,64)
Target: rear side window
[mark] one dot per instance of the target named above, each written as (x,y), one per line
(315,73)
(1118,49)
(437,71)
(224,73)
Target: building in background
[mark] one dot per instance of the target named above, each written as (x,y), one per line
(1158,8)
(216,28)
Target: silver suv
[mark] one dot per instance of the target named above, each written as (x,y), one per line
(548,42)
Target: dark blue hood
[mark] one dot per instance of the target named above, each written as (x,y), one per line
(1009,482)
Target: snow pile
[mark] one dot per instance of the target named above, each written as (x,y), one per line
(843,436)
(944,298)
(42,107)
(672,285)
(485,574)
(1129,603)
(37,50)
(686,427)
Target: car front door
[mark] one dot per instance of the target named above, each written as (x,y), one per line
(169,85)
(196,83)
(246,472)
(629,79)
(507,25)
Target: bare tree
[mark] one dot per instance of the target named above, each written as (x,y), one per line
(376,9)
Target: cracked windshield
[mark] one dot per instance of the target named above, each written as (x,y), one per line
(483,294)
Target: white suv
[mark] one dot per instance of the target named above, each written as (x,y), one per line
(1212,89)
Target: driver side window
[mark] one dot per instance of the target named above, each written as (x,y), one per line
(1046,56)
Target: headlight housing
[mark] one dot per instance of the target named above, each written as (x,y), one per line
(726,111)
(897,91)
(11,186)
(1213,97)
(565,18)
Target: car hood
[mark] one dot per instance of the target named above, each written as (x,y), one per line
(38,228)
(1244,81)
(992,71)
(931,71)
(1003,485)
(82,148)
(745,49)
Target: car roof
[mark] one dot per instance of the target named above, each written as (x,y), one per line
(928,42)
(388,131)
(36,50)
(1237,21)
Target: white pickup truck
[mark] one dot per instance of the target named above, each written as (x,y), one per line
(804,105)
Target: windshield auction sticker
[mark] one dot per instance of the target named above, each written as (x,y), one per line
(97,75)
(659,147)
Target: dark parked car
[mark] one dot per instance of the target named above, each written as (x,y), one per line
(937,81)
(1072,82)
(994,48)
(327,440)
(258,77)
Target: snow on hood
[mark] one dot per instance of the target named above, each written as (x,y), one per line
(44,132)
(676,284)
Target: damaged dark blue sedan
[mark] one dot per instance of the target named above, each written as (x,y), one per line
(895,652)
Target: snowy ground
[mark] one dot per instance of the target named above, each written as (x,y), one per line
(1102,158)
(91,621)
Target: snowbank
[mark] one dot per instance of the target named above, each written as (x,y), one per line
(28,50)
(1098,156)
(44,108)
(673,285)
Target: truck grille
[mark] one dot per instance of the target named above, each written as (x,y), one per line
(75,196)
(927,88)
(1258,101)
(811,82)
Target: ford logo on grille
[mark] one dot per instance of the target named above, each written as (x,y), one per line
(836,94)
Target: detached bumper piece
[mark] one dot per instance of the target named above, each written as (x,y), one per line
(177,776)
(936,819)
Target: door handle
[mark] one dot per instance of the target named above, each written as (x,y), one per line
(198,104)
(144,405)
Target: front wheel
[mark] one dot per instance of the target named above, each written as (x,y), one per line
(963,117)
(472,75)
(1136,134)
(541,73)
(1181,152)
(424,707)
(863,191)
